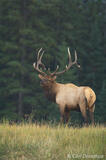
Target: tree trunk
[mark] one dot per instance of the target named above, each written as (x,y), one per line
(20,105)
(22,58)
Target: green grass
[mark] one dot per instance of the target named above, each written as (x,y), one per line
(46,142)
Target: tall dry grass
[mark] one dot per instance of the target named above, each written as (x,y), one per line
(45,142)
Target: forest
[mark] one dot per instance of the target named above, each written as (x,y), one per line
(54,25)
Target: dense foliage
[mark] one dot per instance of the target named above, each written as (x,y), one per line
(26,26)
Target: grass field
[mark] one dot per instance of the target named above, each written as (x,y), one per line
(46,142)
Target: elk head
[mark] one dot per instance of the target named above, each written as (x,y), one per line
(48,79)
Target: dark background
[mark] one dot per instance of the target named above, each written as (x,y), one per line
(54,25)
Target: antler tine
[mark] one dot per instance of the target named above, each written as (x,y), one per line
(69,55)
(39,53)
(34,65)
(52,74)
(49,71)
(41,56)
(75,56)
(76,60)
(39,63)
(70,61)
(57,68)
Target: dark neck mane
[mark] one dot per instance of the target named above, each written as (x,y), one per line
(50,92)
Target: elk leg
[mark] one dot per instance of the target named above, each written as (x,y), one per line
(84,113)
(67,117)
(67,114)
(62,119)
(62,113)
(91,114)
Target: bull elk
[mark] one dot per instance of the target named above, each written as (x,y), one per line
(67,96)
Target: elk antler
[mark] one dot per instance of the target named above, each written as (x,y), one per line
(39,63)
(69,65)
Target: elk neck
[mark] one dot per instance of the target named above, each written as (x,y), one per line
(51,91)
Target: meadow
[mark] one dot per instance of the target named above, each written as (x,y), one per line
(48,142)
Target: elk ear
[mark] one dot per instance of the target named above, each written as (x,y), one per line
(40,76)
(54,78)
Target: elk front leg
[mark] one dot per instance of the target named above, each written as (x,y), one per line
(61,107)
(62,119)
(67,114)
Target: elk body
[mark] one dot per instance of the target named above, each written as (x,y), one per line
(69,97)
